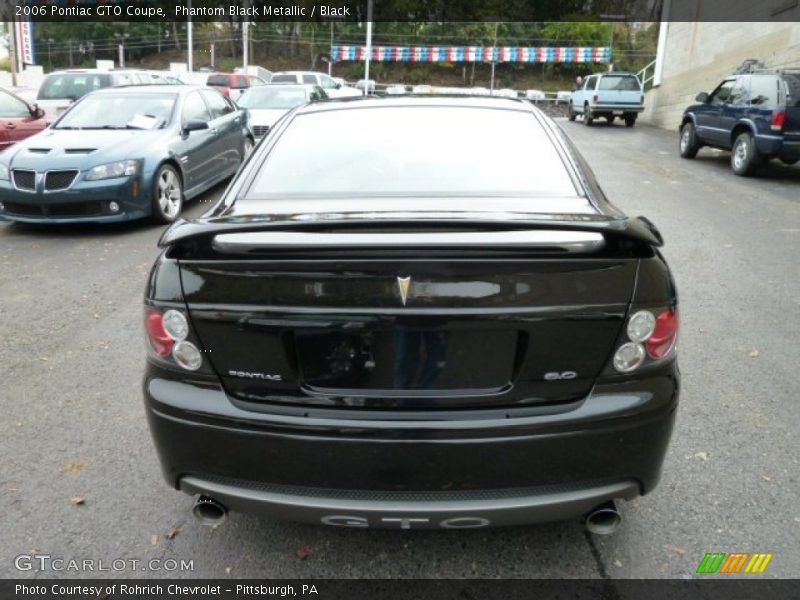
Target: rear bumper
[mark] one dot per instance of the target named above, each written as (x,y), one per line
(774,145)
(600,108)
(448,510)
(479,468)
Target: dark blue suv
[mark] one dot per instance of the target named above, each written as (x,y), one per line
(755,115)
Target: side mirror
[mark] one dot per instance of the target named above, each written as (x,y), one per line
(195,125)
(36,112)
(702,97)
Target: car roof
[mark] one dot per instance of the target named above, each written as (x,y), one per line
(427,100)
(149,89)
(298,73)
(283,86)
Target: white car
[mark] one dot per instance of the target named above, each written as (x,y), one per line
(422,89)
(505,93)
(396,90)
(363,83)
(266,104)
(332,88)
(534,95)
(563,97)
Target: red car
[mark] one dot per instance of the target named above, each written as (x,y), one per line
(18,119)
(233,85)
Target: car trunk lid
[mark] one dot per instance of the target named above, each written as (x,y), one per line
(399,317)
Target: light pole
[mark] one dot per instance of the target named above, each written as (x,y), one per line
(494,59)
(190,39)
(369,46)
(49,53)
(121,37)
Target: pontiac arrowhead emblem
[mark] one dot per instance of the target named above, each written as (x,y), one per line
(403,283)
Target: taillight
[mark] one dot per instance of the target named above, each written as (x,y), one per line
(160,340)
(778,120)
(662,341)
(167,332)
(648,335)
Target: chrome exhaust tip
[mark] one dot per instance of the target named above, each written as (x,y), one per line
(209,512)
(603,519)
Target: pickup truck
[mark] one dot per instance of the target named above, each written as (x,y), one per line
(608,95)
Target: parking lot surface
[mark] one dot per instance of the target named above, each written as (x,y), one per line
(80,478)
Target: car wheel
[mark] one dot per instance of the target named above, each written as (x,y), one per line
(247,149)
(688,143)
(167,195)
(571,112)
(789,161)
(587,115)
(630,119)
(745,159)
(610,118)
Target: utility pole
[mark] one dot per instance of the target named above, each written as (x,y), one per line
(245,44)
(330,58)
(369,46)
(12,50)
(190,38)
(494,59)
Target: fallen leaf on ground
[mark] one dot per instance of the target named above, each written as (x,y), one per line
(228,570)
(766,478)
(154,539)
(77,500)
(754,353)
(701,456)
(173,531)
(75,466)
(304,552)
(617,563)
(676,549)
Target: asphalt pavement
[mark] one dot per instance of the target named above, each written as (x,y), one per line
(80,478)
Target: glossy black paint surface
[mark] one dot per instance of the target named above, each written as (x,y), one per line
(490,370)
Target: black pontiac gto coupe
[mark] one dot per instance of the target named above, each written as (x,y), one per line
(413,313)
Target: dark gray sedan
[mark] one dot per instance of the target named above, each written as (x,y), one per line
(120,154)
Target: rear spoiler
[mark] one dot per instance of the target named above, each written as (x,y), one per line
(636,229)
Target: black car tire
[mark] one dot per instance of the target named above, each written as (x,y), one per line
(630,119)
(167,195)
(587,115)
(610,119)
(745,158)
(687,143)
(789,161)
(571,114)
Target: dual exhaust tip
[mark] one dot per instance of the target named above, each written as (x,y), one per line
(604,519)
(601,520)
(209,512)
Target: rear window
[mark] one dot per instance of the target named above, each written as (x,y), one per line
(792,88)
(620,83)
(764,90)
(283,79)
(221,80)
(72,86)
(414,151)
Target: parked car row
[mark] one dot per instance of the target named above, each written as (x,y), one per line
(61,88)
(121,154)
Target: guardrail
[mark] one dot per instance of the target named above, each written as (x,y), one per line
(643,74)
